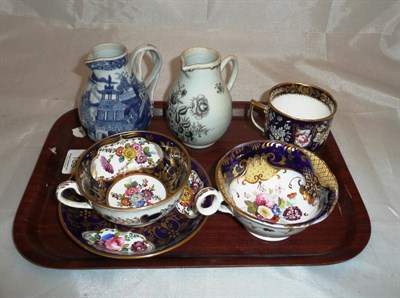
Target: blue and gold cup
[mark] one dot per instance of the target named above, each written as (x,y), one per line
(296,113)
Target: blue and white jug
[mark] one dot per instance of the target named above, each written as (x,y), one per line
(116,98)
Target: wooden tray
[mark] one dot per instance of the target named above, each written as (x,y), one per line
(222,241)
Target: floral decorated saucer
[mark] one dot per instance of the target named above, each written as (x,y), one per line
(102,237)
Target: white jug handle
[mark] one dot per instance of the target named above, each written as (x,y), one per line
(235,67)
(216,204)
(265,108)
(70,184)
(136,65)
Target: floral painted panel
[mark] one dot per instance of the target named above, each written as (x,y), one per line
(117,242)
(136,191)
(280,199)
(123,156)
(186,204)
(183,117)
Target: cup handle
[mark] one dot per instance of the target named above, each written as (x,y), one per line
(136,65)
(256,104)
(69,184)
(233,60)
(216,204)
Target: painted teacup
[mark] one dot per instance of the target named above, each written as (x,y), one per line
(274,189)
(131,178)
(297,113)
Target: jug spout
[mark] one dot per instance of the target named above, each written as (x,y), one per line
(200,58)
(111,54)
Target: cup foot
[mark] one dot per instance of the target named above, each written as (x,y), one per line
(270,239)
(198,147)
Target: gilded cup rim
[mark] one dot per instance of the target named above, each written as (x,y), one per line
(329,117)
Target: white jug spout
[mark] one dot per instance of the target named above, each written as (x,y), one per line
(200,58)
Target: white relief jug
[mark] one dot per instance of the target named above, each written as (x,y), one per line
(199,106)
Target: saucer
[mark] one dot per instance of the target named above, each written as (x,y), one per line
(102,237)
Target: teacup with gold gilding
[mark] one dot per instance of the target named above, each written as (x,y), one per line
(274,189)
(132,178)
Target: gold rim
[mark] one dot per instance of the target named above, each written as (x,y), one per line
(270,105)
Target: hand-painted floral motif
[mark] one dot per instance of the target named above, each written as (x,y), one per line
(303,137)
(280,129)
(278,198)
(306,136)
(268,206)
(138,246)
(186,202)
(180,123)
(219,87)
(106,165)
(125,155)
(117,242)
(200,107)
(133,151)
(113,242)
(136,192)
(292,213)
(322,133)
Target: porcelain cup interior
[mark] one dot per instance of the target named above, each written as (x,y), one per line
(273,188)
(131,178)
(296,113)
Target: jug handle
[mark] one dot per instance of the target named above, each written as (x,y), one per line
(233,60)
(136,65)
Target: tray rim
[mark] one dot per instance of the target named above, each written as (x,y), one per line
(240,109)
